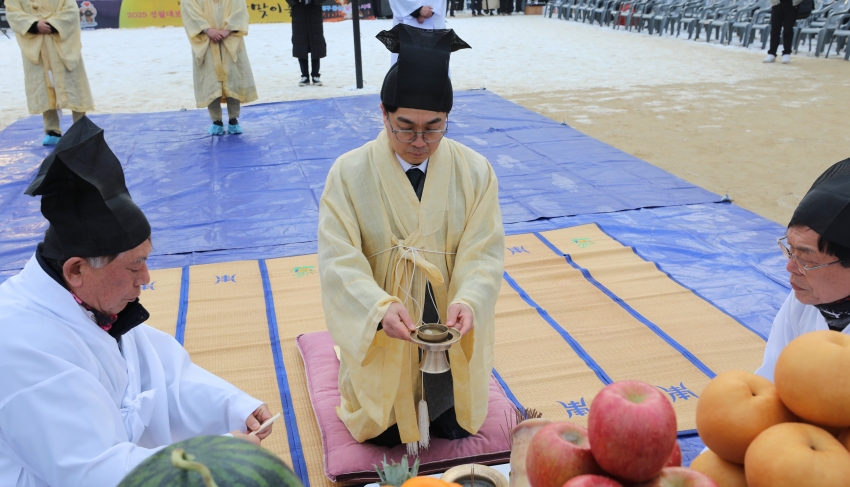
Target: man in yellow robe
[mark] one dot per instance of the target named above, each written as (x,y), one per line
(217,30)
(48,33)
(397,248)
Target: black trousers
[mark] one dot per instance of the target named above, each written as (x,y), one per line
(443,426)
(315,66)
(455,5)
(476,6)
(782,20)
(506,6)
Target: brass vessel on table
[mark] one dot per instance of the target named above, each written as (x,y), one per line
(434,360)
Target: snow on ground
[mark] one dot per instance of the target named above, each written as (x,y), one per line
(149,70)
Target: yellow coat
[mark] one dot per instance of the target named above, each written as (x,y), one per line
(219,69)
(369,206)
(51,60)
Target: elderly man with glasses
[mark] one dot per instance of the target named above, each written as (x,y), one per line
(817,245)
(410,232)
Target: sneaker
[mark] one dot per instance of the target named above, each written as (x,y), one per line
(770,59)
(217,128)
(233,127)
(51,138)
(786,58)
(317,81)
(305,80)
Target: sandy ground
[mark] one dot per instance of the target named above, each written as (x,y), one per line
(714,115)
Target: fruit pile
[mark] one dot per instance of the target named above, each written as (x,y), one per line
(630,440)
(793,433)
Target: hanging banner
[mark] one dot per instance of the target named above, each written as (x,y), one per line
(148,13)
(341,10)
(111,14)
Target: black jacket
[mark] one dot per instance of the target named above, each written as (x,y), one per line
(307,34)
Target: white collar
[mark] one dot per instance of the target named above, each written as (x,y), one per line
(423,166)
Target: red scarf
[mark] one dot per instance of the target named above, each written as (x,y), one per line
(104,321)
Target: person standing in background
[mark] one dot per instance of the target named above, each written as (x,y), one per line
(308,38)
(783,16)
(422,14)
(48,33)
(220,66)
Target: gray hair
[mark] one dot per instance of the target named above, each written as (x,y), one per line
(102,261)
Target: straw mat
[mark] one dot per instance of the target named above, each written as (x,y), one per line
(565,327)
(298,306)
(717,339)
(227,333)
(161,297)
(615,341)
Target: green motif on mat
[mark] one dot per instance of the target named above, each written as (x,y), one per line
(583,242)
(304,270)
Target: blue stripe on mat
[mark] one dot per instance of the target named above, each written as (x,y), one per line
(182,307)
(508,391)
(295,449)
(564,334)
(652,326)
(680,283)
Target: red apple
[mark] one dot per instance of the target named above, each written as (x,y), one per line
(680,477)
(675,459)
(557,453)
(592,481)
(632,430)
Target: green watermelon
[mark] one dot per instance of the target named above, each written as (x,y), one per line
(230,462)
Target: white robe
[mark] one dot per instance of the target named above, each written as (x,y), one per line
(403,8)
(794,319)
(75,410)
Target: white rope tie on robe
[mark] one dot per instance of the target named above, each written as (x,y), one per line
(412,254)
(406,252)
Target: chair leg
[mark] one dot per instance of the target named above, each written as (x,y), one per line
(822,38)
(796,42)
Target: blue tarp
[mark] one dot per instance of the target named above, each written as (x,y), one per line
(256,195)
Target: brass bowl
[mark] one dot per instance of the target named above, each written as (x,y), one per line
(432,333)
(484,476)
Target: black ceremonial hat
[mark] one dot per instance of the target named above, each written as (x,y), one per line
(826,207)
(85,198)
(420,78)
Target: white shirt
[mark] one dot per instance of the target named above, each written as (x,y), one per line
(423,166)
(794,319)
(403,8)
(75,410)
(401,15)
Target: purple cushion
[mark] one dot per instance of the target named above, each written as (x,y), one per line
(347,461)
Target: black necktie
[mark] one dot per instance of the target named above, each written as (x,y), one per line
(415,175)
(439,388)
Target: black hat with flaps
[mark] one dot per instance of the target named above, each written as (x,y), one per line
(420,78)
(85,198)
(826,207)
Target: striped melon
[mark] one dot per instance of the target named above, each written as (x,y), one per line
(208,461)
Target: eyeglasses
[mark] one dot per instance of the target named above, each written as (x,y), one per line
(408,136)
(803,268)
